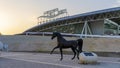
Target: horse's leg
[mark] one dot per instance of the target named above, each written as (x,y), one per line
(73,49)
(54,49)
(77,53)
(61,54)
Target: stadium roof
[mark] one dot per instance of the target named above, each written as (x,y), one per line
(94,13)
(100,11)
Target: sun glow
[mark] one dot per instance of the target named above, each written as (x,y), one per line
(5,23)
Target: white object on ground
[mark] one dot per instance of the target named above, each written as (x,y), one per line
(88,57)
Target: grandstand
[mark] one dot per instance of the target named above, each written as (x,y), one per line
(101,22)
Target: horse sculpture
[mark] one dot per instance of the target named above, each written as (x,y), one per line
(75,45)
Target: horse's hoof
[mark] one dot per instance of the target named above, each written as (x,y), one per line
(51,53)
(72,58)
(78,58)
(61,59)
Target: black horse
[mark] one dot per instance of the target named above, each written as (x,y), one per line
(75,45)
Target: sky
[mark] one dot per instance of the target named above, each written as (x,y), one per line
(16,16)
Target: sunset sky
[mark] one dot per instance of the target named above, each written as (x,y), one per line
(16,16)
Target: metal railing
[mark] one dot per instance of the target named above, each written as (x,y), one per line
(73,35)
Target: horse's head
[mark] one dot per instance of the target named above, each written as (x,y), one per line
(55,34)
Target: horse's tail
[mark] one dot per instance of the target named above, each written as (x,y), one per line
(80,45)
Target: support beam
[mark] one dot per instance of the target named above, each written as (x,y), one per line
(86,29)
(114,23)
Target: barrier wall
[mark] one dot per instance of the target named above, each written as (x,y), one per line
(44,43)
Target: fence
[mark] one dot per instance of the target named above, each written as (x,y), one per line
(74,35)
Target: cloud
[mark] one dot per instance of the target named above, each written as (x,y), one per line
(117,3)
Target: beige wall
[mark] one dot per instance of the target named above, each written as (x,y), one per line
(44,43)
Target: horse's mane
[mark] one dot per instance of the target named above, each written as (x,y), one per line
(59,35)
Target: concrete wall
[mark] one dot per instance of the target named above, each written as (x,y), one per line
(44,43)
(97,27)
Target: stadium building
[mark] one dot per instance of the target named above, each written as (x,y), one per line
(101,22)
